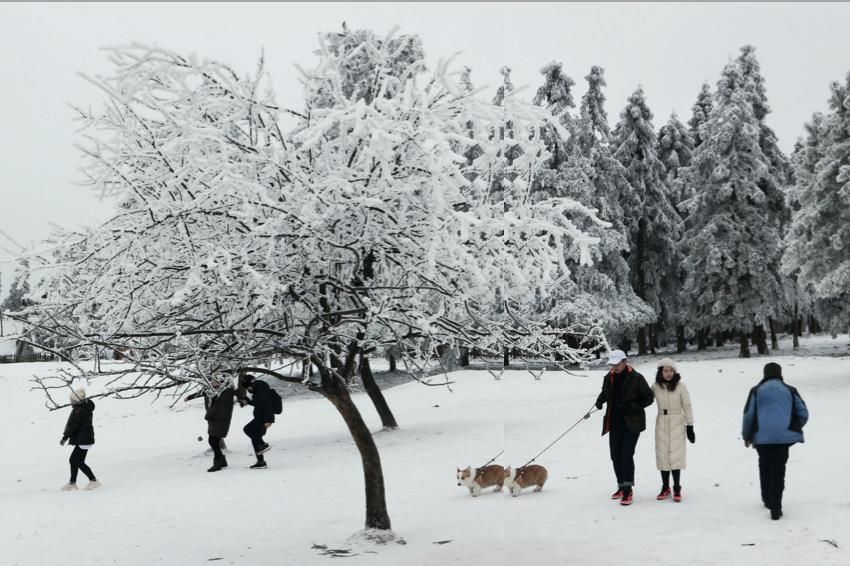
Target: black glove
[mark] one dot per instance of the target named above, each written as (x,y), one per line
(599,405)
(690,432)
(63,441)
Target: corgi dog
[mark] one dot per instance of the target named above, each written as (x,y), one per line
(518,478)
(477,479)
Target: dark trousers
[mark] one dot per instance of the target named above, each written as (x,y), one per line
(622,443)
(215,444)
(256,430)
(78,462)
(772,460)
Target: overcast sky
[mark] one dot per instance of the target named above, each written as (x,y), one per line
(668,48)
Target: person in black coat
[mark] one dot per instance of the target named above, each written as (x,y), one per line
(79,432)
(261,399)
(219,413)
(626,394)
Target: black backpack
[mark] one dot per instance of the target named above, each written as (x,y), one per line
(277,402)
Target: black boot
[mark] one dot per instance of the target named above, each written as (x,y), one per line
(222,461)
(215,467)
(260,465)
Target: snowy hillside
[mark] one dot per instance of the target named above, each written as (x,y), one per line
(159,506)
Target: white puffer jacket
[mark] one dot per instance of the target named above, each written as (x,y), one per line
(674,412)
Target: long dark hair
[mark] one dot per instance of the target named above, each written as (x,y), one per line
(671,385)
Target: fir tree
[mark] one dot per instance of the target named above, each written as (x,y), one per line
(701,109)
(819,236)
(17,299)
(733,230)
(653,226)
(675,150)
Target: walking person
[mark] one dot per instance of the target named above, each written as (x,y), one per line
(774,417)
(626,394)
(218,402)
(265,402)
(79,433)
(674,422)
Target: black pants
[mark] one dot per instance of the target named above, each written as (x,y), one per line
(215,444)
(622,443)
(772,460)
(256,430)
(78,462)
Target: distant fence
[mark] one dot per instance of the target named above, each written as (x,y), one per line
(26,358)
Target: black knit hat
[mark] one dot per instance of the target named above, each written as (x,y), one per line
(772,370)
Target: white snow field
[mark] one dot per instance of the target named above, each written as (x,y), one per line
(158,505)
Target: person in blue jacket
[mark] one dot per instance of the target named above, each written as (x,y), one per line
(774,417)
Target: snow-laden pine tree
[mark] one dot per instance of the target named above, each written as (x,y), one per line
(596,293)
(819,237)
(653,225)
(699,113)
(603,289)
(17,299)
(675,150)
(733,229)
(776,185)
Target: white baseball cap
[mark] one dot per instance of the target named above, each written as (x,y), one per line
(616,357)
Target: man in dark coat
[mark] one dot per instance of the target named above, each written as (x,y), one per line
(261,399)
(219,412)
(626,394)
(774,417)
(79,433)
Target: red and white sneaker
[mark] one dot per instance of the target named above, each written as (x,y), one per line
(627,497)
(617,494)
(677,494)
(665,494)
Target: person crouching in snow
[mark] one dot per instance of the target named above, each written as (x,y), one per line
(261,399)
(79,432)
(219,412)
(675,420)
(627,395)
(774,417)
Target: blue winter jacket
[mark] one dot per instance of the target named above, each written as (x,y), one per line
(774,414)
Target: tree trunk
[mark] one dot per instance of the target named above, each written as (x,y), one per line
(392,361)
(797,330)
(774,341)
(642,342)
(719,340)
(376,395)
(701,339)
(335,390)
(745,346)
(506,361)
(681,343)
(653,338)
(464,357)
(760,339)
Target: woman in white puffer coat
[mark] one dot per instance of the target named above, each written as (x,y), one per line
(675,421)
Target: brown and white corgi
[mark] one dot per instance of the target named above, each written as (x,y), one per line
(477,479)
(519,478)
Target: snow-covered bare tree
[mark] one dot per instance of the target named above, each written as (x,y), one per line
(734,220)
(818,242)
(235,242)
(652,225)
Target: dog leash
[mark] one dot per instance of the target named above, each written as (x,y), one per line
(491,460)
(586,416)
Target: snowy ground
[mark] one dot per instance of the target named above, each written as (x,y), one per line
(159,506)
